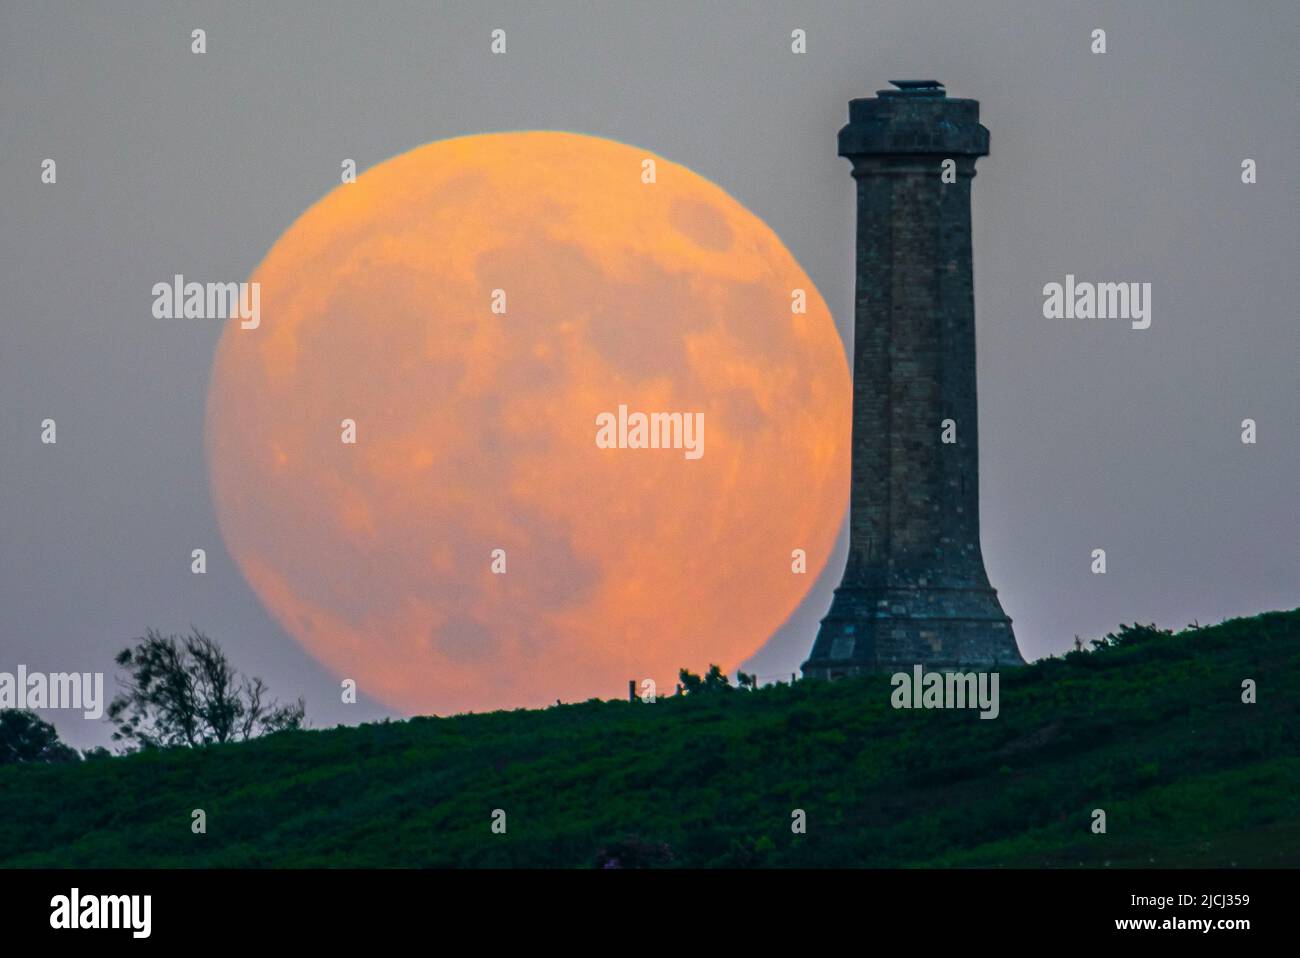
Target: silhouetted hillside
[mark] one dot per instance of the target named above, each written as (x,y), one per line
(1154,732)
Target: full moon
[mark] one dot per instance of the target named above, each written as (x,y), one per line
(403,452)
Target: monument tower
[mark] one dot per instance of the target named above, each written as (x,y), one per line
(914,589)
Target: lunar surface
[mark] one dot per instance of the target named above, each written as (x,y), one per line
(473,307)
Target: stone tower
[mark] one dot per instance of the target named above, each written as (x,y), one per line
(914,589)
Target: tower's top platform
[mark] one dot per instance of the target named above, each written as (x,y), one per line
(915,88)
(917,118)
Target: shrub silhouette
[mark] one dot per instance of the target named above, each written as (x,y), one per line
(24,737)
(182,690)
(712,681)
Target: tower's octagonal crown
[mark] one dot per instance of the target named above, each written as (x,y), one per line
(916,118)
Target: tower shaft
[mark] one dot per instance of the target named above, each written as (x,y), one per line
(914,589)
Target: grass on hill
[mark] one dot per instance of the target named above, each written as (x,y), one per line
(1152,730)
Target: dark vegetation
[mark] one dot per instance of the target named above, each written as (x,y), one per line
(26,737)
(1149,726)
(183,690)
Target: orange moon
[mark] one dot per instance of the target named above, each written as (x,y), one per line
(473,306)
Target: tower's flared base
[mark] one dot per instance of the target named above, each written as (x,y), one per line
(884,629)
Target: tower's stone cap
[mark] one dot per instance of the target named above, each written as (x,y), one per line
(916,118)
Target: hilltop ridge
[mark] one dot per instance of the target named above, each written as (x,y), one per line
(1152,730)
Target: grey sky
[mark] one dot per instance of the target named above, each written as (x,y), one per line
(1116,167)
